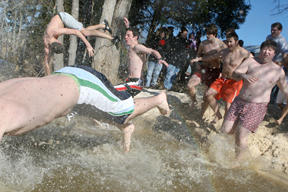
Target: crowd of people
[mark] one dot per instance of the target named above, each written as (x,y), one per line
(229,72)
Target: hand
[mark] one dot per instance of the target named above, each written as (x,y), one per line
(163,62)
(126,22)
(251,79)
(91,51)
(193,61)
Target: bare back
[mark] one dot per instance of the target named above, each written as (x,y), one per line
(268,75)
(209,49)
(136,60)
(49,35)
(34,102)
(232,59)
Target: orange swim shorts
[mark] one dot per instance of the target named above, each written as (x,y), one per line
(228,89)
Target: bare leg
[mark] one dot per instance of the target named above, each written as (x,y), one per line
(227,106)
(141,106)
(193,82)
(96,27)
(283,115)
(128,129)
(95,33)
(210,94)
(228,126)
(241,137)
(204,105)
(145,104)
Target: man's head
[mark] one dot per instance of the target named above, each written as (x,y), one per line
(211,31)
(132,35)
(241,43)
(267,50)
(57,47)
(230,30)
(232,40)
(183,33)
(276,29)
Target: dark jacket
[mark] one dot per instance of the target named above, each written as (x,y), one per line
(159,45)
(177,50)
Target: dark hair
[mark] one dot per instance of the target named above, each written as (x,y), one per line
(211,29)
(278,25)
(230,30)
(135,31)
(241,43)
(57,48)
(234,35)
(182,30)
(269,43)
(253,53)
(190,35)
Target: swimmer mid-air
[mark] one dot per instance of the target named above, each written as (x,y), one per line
(29,103)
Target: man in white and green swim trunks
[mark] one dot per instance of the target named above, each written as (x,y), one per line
(29,103)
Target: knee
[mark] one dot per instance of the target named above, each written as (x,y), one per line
(85,32)
(190,85)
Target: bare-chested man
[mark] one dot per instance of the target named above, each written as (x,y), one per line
(137,58)
(226,87)
(29,103)
(64,24)
(247,111)
(208,72)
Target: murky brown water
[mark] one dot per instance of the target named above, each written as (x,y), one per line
(80,156)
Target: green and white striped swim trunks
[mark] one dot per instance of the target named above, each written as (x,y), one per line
(98,98)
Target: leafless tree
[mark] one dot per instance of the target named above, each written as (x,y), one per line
(73,39)
(107,58)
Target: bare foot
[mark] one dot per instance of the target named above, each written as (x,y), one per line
(215,120)
(279,121)
(163,106)
(128,130)
(95,121)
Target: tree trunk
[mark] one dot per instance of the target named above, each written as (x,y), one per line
(73,38)
(19,65)
(58,61)
(107,59)
(3,18)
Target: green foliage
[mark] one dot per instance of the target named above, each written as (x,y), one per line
(194,14)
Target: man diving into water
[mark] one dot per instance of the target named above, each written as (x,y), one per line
(29,103)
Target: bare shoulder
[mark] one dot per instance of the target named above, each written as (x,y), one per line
(277,67)
(243,51)
(205,42)
(220,43)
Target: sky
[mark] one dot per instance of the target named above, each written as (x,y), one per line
(258,22)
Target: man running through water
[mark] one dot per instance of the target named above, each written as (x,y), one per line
(226,87)
(64,24)
(29,103)
(137,58)
(260,75)
(208,72)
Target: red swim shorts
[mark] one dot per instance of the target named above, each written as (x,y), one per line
(228,89)
(250,114)
(208,75)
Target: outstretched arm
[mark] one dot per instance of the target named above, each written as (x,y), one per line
(66,31)
(47,61)
(198,54)
(153,52)
(126,22)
